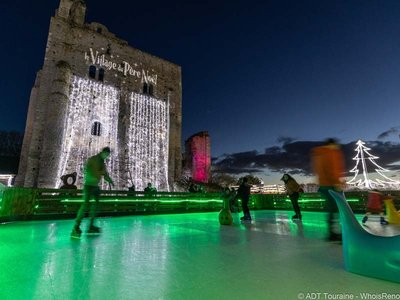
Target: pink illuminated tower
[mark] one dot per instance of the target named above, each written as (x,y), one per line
(198,157)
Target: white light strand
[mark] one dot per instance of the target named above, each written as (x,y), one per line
(89,101)
(147,135)
(148,140)
(365,182)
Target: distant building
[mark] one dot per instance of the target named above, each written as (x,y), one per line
(310,187)
(93,91)
(197,157)
(265,189)
(273,189)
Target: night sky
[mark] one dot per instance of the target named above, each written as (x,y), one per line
(267,79)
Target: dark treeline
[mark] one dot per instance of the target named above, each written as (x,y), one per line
(10,151)
(10,143)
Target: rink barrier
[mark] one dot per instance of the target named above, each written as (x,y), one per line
(36,204)
(365,253)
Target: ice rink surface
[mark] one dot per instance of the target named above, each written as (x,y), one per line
(183,256)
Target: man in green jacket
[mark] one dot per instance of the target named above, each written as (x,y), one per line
(94,170)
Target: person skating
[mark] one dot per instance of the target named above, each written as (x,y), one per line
(293,190)
(150,190)
(328,165)
(375,206)
(94,170)
(243,193)
(233,201)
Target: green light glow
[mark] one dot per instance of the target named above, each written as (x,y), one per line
(192,201)
(151,201)
(58,202)
(319,200)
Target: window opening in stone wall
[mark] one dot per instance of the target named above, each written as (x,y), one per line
(99,30)
(96,128)
(148,89)
(92,72)
(145,88)
(101,75)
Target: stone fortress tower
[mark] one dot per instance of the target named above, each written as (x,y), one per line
(93,91)
(197,160)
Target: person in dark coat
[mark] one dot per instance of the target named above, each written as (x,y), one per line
(293,190)
(243,193)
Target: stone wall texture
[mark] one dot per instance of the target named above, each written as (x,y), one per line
(72,47)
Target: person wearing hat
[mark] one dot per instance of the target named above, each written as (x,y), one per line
(94,170)
(293,189)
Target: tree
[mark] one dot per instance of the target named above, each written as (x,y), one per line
(10,143)
(223,179)
(364,161)
(10,151)
(252,180)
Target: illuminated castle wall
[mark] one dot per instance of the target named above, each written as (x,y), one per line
(198,157)
(94,90)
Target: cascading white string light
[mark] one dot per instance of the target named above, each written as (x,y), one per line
(147,135)
(148,139)
(89,101)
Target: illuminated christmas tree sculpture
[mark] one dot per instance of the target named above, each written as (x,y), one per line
(364,159)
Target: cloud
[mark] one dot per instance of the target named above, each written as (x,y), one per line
(385,134)
(285,139)
(237,163)
(294,158)
(388,153)
(291,157)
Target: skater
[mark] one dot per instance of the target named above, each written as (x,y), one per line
(375,206)
(244,194)
(192,188)
(225,216)
(233,201)
(94,170)
(132,190)
(150,191)
(293,190)
(328,164)
(230,195)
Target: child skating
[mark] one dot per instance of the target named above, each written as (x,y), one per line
(375,206)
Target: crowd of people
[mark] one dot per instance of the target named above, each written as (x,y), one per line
(327,163)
